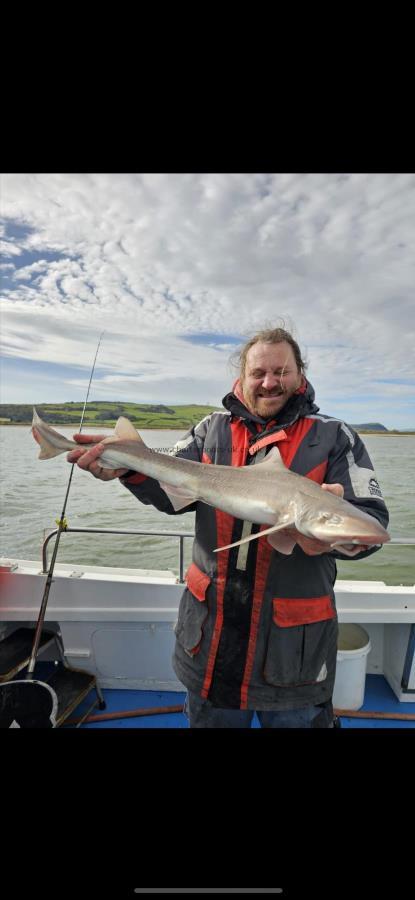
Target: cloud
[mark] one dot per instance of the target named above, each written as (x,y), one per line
(7,248)
(177,267)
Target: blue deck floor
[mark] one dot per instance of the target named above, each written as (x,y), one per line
(378,697)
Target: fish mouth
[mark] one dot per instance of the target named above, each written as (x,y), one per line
(369,539)
(332,538)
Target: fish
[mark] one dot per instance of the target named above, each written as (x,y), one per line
(266,493)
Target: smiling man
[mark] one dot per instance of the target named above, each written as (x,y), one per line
(270,375)
(257,628)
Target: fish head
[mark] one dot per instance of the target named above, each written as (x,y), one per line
(340,523)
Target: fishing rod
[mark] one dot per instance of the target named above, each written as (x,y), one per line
(61,523)
(39,707)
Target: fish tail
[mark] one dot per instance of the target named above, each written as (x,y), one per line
(47,450)
(40,433)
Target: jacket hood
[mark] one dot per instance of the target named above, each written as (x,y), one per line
(300,404)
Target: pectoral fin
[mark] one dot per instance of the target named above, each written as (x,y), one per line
(282,541)
(285,539)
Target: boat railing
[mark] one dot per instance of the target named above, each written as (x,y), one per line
(177,534)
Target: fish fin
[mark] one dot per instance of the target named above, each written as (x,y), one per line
(125,431)
(47,450)
(273,458)
(253,537)
(177,496)
(282,542)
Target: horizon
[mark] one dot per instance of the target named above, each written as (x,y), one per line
(178,270)
(80,403)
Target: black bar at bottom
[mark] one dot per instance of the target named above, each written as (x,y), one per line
(208,890)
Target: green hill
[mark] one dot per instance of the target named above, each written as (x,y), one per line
(105,414)
(102,413)
(369,426)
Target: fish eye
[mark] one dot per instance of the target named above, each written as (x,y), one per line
(330,519)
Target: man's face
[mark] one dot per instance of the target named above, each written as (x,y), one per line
(271,378)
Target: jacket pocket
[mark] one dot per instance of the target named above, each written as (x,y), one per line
(302,642)
(193,610)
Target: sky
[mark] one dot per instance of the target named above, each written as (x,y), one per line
(179,270)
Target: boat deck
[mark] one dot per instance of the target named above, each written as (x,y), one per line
(378,697)
(118,625)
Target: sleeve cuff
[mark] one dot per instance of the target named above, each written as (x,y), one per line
(132,477)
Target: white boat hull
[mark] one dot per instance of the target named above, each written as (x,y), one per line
(119,623)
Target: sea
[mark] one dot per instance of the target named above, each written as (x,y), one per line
(32,493)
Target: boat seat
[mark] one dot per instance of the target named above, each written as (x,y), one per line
(41,703)
(16,649)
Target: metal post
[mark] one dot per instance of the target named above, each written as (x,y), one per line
(181,579)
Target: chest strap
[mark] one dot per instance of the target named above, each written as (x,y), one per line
(269,439)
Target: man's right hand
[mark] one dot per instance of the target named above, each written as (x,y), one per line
(87,459)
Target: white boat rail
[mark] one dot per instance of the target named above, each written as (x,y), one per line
(180,534)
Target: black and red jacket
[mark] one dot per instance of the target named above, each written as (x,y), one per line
(258,629)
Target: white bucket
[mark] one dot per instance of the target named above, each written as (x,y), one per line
(353,647)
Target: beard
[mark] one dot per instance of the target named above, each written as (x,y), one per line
(267,406)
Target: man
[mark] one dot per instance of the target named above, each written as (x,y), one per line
(257,629)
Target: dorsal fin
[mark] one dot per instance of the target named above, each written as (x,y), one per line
(125,430)
(273,458)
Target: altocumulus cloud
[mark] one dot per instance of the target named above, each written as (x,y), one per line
(178,269)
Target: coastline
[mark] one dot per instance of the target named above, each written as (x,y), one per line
(178,427)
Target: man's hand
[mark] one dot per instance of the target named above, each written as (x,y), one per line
(337,489)
(87,459)
(312,547)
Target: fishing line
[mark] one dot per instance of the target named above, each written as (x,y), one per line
(62,525)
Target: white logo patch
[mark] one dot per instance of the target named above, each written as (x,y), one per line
(374,487)
(364,481)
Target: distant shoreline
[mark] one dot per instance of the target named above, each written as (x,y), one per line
(177,428)
(103,414)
